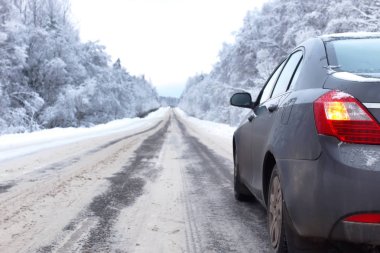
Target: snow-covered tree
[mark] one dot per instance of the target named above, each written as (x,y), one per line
(49,78)
(265,38)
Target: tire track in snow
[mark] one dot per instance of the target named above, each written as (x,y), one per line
(125,187)
(124,190)
(193,237)
(213,220)
(224,224)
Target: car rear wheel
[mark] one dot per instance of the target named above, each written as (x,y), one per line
(240,190)
(275,210)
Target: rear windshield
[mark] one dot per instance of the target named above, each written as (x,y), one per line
(355,55)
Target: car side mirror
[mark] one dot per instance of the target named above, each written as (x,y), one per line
(242,99)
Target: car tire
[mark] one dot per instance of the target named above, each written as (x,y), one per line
(276,219)
(240,190)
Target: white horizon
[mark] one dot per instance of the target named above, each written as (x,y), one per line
(167,41)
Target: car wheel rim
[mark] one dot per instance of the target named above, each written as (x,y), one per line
(275,212)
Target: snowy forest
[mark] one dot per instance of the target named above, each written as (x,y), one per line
(49,78)
(265,38)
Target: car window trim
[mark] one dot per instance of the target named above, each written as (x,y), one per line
(291,79)
(269,78)
(298,67)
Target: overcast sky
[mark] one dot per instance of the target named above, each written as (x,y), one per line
(166,40)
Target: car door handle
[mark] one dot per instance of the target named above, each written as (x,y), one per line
(272,108)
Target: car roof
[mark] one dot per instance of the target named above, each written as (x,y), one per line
(351,35)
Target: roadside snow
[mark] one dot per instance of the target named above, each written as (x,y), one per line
(213,128)
(15,145)
(216,136)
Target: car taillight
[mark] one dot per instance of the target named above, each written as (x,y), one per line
(341,115)
(364,218)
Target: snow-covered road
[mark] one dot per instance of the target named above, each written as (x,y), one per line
(164,185)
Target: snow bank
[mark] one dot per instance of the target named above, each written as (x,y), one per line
(209,127)
(209,99)
(14,145)
(216,136)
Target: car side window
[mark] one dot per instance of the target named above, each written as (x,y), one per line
(287,74)
(270,84)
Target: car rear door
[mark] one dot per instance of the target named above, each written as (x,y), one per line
(244,148)
(267,111)
(248,128)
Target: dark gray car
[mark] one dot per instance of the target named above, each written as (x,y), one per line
(310,150)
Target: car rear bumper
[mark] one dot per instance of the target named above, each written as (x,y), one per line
(357,232)
(343,181)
